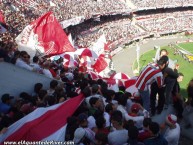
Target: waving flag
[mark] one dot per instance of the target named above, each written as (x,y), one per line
(100,64)
(44,36)
(2,23)
(46,124)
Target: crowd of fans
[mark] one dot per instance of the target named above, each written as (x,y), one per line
(153,4)
(167,22)
(106,116)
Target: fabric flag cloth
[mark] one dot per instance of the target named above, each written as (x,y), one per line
(86,52)
(94,75)
(44,36)
(120,76)
(100,64)
(130,85)
(2,23)
(43,123)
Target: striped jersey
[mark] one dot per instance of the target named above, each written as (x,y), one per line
(149,74)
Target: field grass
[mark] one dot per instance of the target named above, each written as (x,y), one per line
(185,67)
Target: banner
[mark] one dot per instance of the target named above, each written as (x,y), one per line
(44,36)
(43,124)
(100,64)
(98,47)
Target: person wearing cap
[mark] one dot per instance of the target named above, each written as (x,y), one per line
(172,133)
(5,103)
(151,73)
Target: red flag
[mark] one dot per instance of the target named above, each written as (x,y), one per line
(2,20)
(2,23)
(44,35)
(43,123)
(100,64)
(106,47)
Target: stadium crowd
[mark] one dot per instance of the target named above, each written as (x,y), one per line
(153,4)
(106,116)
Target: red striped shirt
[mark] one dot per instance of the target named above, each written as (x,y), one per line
(150,74)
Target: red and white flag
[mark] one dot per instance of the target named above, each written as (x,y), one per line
(2,23)
(44,36)
(100,64)
(43,124)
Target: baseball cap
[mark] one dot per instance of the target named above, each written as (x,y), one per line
(78,135)
(82,117)
(135,107)
(172,119)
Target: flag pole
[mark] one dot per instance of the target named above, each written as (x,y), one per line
(138,53)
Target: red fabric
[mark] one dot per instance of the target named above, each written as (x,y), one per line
(51,35)
(46,124)
(144,135)
(2,20)
(53,73)
(100,64)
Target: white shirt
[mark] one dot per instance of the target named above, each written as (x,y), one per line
(137,119)
(91,122)
(36,67)
(47,73)
(173,135)
(107,118)
(118,137)
(23,64)
(97,96)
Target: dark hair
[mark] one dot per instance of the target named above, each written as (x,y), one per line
(117,118)
(122,100)
(117,113)
(22,53)
(38,87)
(133,132)
(180,74)
(109,107)
(95,88)
(163,60)
(100,121)
(154,127)
(101,137)
(163,50)
(86,91)
(35,59)
(147,122)
(53,84)
(42,94)
(190,91)
(93,101)
(109,94)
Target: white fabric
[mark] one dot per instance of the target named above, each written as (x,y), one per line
(22,64)
(107,118)
(118,137)
(91,122)
(36,67)
(34,115)
(173,135)
(47,73)
(129,104)
(137,119)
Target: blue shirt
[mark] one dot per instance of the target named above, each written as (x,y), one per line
(4,108)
